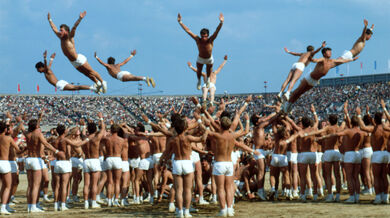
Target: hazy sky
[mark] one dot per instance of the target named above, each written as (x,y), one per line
(253,36)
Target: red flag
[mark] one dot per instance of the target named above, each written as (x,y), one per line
(361,65)
(18,87)
(55,89)
(37,88)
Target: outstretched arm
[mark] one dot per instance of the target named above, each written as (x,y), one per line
(193,68)
(384,109)
(214,36)
(99,60)
(52,25)
(222,65)
(73,30)
(292,53)
(102,131)
(132,54)
(361,123)
(185,28)
(238,114)
(313,110)
(364,29)
(319,49)
(45,58)
(343,61)
(52,56)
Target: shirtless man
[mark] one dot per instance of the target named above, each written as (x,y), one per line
(77,160)
(115,70)
(213,80)
(92,167)
(205,48)
(158,144)
(113,146)
(125,178)
(359,44)
(52,79)
(297,69)
(79,61)
(321,69)
(34,163)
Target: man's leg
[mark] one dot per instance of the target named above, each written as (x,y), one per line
(125,185)
(110,185)
(56,190)
(45,184)
(6,180)
(187,191)
(117,185)
(131,77)
(204,93)
(94,181)
(71,87)
(302,175)
(64,189)
(302,88)
(198,182)
(76,175)
(356,172)
(260,178)
(36,180)
(209,69)
(295,76)
(156,178)
(327,166)
(220,182)
(286,82)
(179,192)
(138,175)
(350,180)
(87,70)
(86,191)
(212,94)
(366,167)
(229,181)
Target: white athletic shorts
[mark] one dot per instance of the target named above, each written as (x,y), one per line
(5,166)
(299,65)
(77,162)
(34,163)
(261,155)
(145,164)
(212,85)
(113,163)
(209,60)
(120,75)
(14,166)
(92,165)
(366,152)
(134,162)
(61,84)
(156,158)
(20,159)
(292,157)
(44,166)
(182,167)
(102,163)
(380,157)
(279,160)
(125,166)
(195,157)
(307,157)
(311,81)
(234,156)
(63,166)
(352,157)
(223,168)
(331,156)
(81,59)
(319,157)
(347,55)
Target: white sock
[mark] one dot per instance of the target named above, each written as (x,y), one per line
(201,198)
(186,211)
(94,203)
(86,204)
(3,207)
(171,204)
(33,206)
(97,197)
(63,205)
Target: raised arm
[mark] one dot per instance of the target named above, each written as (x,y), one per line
(363,36)
(245,148)
(99,60)
(313,110)
(163,131)
(346,114)
(73,30)
(319,49)
(132,54)
(317,60)
(102,131)
(222,65)
(52,56)
(52,25)
(293,125)
(192,67)
(385,109)
(343,61)
(361,123)
(185,28)
(238,114)
(215,34)
(292,53)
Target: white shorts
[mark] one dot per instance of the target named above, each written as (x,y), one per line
(5,166)
(92,165)
(145,164)
(81,59)
(234,156)
(134,162)
(34,163)
(380,157)
(63,166)
(20,159)
(102,163)
(292,157)
(125,166)
(331,156)
(61,84)
(279,160)
(195,157)
(347,55)
(44,166)
(182,167)
(307,157)
(14,166)
(120,75)
(212,85)
(156,158)
(113,163)
(209,60)
(319,157)
(77,162)
(299,65)
(261,155)
(267,152)
(53,163)
(352,157)
(366,152)
(223,168)
(311,81)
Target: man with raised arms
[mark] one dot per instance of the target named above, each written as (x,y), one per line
(115,70)
(52,79)
(213,80)
(205,48)
(79,61)
(297,69)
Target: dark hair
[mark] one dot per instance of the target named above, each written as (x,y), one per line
(39,65)
(65,27)
(180,126)
(204,31)
(174,118)
(378,118)
(254,119)
(140,127)
(32,125)
(309,48)
(306,122)
(354,121)
(369,32)
(91,127)
(121,133)
(281,131)
(226,123)
(3,126)
(224,114)
(367,120)
(333,119)
(60,129)
(111,60)
(324,50)
(115,128)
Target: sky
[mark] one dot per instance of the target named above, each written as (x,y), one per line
(253,36)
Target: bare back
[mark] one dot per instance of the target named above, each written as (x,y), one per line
(114,146)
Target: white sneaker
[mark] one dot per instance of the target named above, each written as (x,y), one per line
(97,206)
(104,86)
(47,200)
(350,200)
(286,96)
(222,213)
(180,213)
(64,209)
(116,204)
(344,187)
(36,210)
(147,199)
(203,202)
(230,212)
(5,212)
(198,86)
(171,208)
(187,215)
(329,198)
(124,203)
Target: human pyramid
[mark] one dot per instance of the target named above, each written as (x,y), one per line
(211,150)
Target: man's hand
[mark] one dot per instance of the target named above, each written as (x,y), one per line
(100,115)
(323,44)
(365,22)
(82,14)
(133,52)
(286,50)
(45,54)
(225,58)
(195,100)
(178,17)
(246,116)
(48,16)
(355,58)
(95,55)
(40,115)
(312,108)
(189,64)
(248,99)
(221,18)
(372,27)
(382,103)
(358,111)
(144,117)
(52,56)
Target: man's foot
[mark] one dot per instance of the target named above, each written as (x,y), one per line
(96,206)
(378,200)
(203,202)
(64,209)
(76,198)
(36,210)
(147,81)
(5,212)
(153,83)
(47,200)
(329,198)
(171,208)
(187,214)
(9,209)
(222,213)
(344,187)
(193,210)
(350,200)
(124,203)
(303,198)
(14,200)
(261,195)
(279,96)
(198,86)
(230,212)
(180,213)
(116,204)
(286,96)
(104,86)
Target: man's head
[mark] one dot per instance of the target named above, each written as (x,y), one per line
(254,119)
(378,118)
(326,52)
(32,125)
(64,31)
(181,125)
(354,121)
(40,67)
(115,128)
(61,129)
(333,119)
(91,127)
(111,60)
(204,34)
(305,122)
(224,114)
(226,123)
(281,131)
(366,120)
(3,126)
(310,48)
(140,127)
(368,34)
